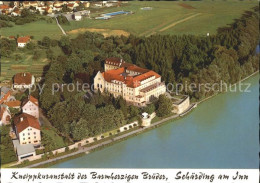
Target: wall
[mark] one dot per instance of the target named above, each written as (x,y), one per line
(82,142)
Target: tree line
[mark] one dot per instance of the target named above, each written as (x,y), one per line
(229,56)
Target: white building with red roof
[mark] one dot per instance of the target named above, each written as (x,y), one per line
(23,80)
(22,41)
(31,106)
(27,129)
(136,85)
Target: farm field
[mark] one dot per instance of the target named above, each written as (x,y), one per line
(38,29)
(23,61)
(186,17)
(179,17)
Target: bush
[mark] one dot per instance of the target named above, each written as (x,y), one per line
(67,149)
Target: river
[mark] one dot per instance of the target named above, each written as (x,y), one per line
(222,132)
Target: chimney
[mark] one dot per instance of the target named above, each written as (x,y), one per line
(21,119)
(121,60)
(24,74)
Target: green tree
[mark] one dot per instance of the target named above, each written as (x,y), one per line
(164,106)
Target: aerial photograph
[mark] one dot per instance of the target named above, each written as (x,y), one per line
(129,84)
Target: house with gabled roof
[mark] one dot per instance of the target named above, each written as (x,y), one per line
(22,41)
(31,106)
(27,129)
(23,80)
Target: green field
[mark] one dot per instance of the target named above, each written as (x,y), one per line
(181,17)
(211,15)
(37,29)
(26,63)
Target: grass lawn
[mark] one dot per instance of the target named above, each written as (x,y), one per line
(10,66)
(49,131)
(212,14)
(38,29)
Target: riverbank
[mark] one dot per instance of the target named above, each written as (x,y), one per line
(231,86)
(115,140)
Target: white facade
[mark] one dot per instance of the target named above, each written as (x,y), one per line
(21,45)
(31,108)
(77,16)
(148,88)
(30,135)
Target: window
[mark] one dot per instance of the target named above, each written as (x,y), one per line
(28,133)
(35,137)
(34,133)
(23,134)
(29,137)
(23,138)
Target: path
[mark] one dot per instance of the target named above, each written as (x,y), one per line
(87,149)
(60,27)
(175,23)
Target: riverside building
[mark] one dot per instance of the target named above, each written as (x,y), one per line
(138,86)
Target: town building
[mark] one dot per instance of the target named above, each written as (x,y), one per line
(22,41)
(77,16)
(23,80)
(27,129)
(5,115)
(136,85)
(31,106)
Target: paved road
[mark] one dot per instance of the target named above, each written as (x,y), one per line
(87,149)
(60,27)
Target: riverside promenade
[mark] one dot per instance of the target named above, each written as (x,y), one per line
(87,150)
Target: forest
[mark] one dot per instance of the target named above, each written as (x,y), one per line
(228,56)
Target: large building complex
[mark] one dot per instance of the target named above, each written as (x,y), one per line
(136,85)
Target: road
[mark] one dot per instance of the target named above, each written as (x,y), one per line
(60,27)
(174,23)
(88,149)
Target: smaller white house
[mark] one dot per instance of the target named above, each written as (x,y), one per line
(22,41)
(23,80)
(27,129)
(77,16)
(31,106)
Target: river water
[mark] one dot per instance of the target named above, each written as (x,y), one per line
(222,132)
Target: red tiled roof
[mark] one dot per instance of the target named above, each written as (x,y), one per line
(130,81)
(23,78)
(137,69)
(31,99)
(70,5)
(15,103)
(24,39)
(24,121)
(113,60)
(3,7)
(8,94)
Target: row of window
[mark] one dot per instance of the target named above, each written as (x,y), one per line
(30,142)
(29,133)
(30,138)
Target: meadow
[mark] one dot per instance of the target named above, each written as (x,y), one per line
(178,17)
